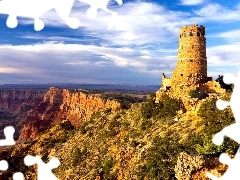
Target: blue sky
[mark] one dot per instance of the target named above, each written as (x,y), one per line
(141,45)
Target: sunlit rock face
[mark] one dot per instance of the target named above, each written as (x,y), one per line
(63,104)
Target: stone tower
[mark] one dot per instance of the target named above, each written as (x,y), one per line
(191,69)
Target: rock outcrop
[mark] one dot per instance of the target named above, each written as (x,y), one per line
(187,164)
(63,104)
(14,104)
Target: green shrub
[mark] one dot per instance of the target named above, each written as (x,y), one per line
(134,144)
(71,132)
(95,115)
(208,148)
(161,158)
(149,109)
(145,124)
(107,167)
(78,155)
(113,129)
(167,107)
(108,111)
(117,116)
(63,139)
(82,128)
(213,121)
(192,92)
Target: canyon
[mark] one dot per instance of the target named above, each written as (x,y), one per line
(33,111)
(98,135)
(14,105)
(63,104)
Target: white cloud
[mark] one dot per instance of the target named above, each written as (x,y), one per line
(145,57)
(58,62)
(141,23)
(137,23)
(231,36)
(7,70)
(216,12)
(191,2)
(224,58)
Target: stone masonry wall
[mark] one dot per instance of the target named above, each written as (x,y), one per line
(166,82)
(191,69)
(212,87)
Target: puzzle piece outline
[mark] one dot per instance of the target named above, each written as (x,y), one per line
(35,8)
(229,131)
(45,168)
(8,141)
(232,172)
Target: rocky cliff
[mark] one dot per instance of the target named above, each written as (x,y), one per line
(14,104)
(21,100)
(63,104)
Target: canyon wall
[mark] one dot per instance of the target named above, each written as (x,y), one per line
(14,105)
(62,104)
(21,100)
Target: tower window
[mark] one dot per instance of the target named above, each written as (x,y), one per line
(190,34)
(181,74)
(191,60)
(180,35)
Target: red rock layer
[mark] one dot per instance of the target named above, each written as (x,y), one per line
(62,104)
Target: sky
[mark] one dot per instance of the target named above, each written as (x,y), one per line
(140,45)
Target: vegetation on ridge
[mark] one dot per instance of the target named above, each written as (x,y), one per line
(142,142)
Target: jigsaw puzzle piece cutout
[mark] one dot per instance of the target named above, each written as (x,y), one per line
(18,176)
(95,5)
(8,132)
(25,8)
(3,165)
(44,169)
(231,131)
(34,9)
(221,105)
(63,8)
(235,97)
(232,172)
(229,78)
